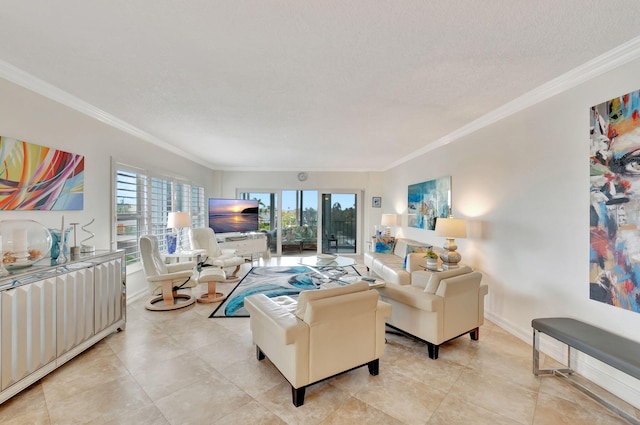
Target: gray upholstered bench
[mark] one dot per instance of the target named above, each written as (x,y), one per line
(614,350)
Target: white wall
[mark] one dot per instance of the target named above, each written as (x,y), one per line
(524,185)
(27,116)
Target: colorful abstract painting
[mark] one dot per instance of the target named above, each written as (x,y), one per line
(34,177)
(615,202)
(427,201)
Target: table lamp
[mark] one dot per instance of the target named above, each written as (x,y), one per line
(388,220)
(178,220)
(451,228)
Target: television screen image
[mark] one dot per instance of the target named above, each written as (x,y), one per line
(233,215)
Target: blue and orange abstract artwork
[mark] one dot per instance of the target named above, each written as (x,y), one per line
(34,177)
(614,269)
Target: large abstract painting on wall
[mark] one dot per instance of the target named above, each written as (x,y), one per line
(615,202)
(427,201)
(34,177)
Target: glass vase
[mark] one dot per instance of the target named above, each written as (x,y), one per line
(23,242)
(59,246)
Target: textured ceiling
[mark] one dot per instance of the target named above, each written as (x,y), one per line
(305,85)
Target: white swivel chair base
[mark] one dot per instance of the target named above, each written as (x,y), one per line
(169,300)
(175,302)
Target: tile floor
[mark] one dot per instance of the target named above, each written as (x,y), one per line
(181,367)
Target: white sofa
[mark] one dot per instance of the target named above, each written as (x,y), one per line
(327,332)
(396,267)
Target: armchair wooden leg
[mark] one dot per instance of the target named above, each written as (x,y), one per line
(374,367)
(433,350)
(298,396)
(475,334)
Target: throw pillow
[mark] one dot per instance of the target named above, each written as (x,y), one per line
(415,249)
(384,244)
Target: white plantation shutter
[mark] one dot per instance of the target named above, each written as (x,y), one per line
(131,205)
(143,202)
(199,213)
(161,190)
(183,203)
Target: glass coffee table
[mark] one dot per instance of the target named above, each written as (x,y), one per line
(330,268)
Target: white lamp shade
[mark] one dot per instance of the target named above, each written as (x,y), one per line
(177,220)
(451,227)
(389,220)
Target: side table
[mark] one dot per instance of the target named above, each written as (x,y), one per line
(190,255)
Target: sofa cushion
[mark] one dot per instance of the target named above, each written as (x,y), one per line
(286,302)
(316,294)
(434,280)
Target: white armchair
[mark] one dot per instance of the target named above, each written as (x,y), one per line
(327,332)
(205,238)
(165,279)
(449,305)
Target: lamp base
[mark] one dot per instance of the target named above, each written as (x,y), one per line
(450,258)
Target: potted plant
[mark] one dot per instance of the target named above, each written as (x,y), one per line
(432,259)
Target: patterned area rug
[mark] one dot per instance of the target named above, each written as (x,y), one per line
(280,280)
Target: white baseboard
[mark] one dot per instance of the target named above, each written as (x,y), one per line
(134,296)
(618,383)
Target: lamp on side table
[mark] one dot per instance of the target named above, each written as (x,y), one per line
(178,220)
(451,228)
(388,220)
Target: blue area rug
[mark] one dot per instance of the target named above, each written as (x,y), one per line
(277,281)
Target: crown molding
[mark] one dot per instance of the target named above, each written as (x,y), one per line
(28,81)
(606,62)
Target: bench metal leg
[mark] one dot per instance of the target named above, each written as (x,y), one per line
(536,359)
(631,419)
(566,372)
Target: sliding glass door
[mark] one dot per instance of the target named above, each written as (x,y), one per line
(293,225)
(299,221)
(339,223)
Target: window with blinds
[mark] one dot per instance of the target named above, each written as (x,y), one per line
(131,205)
(199,213)
(161,191)
(143,202)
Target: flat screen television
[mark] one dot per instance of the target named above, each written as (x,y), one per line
(233,215)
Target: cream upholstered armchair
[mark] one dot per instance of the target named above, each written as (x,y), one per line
(327,332)
(165,279)
(444,306)
(205,238)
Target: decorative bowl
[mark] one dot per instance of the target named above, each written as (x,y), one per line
(23,242)
(325,256)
